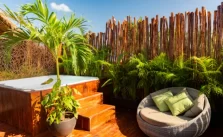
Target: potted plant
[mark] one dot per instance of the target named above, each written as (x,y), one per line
(67,47)
(61,109)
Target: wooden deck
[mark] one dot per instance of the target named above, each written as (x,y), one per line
(124,126)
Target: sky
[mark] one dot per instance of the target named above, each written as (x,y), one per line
(98,12)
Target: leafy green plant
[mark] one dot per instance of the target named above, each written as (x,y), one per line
(183,71)
(124,85)
(161,71)
(60,100)
(58,35)
(155,73)
(95,67)
(64,43)
(140,68)
(207,74)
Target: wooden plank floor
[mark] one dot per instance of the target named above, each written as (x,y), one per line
(124,126)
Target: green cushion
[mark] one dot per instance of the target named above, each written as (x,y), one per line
(185,90)
(179,103)
(159,100)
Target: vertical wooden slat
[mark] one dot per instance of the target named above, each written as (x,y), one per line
(103,40)
(193,47)
(143,31)
(182,31)
(189,36)
(186,34)
(156,35)
(209,34)
(106,34)
(139,36)
(202,30)
(150,41)
(152,38)
(124,37)
(205,31)
(109,40)
(127,37)
(177,34)
(100,40)
(171,37)
(121,40)
(161,35)
(115,42)
(96,41)
(144,35)
(220,31)
(147,34)
(214,37)
(134,31)
(218,34)
(118,37)
(166,36)
(112,40)
(196,33)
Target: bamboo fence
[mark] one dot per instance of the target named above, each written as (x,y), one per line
(188,34)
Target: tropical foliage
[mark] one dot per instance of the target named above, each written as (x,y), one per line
(95,67)
(58,35)
(124,85)
(208,75)
(68,47)
(140,76)
(60,100)
(155,73)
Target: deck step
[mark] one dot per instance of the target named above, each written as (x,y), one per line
(86,87)
(89,99)
(92,117)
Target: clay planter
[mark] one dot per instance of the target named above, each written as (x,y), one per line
(65,127)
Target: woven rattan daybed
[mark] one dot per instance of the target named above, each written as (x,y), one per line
(186,127)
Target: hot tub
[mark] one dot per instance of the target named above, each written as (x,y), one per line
(20,99)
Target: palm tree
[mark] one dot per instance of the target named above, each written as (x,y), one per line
(65,44)
(58,35)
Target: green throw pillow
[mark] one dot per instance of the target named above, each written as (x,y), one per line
(179,103)
(159,100)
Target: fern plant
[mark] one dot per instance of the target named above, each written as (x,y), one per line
(183,71)
(124,85)
(161,71)
(155,73)
(95,67)
(207,74)
(140,68)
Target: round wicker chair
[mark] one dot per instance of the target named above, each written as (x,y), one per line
(193,128)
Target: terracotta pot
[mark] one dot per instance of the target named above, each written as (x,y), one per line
(65,127)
